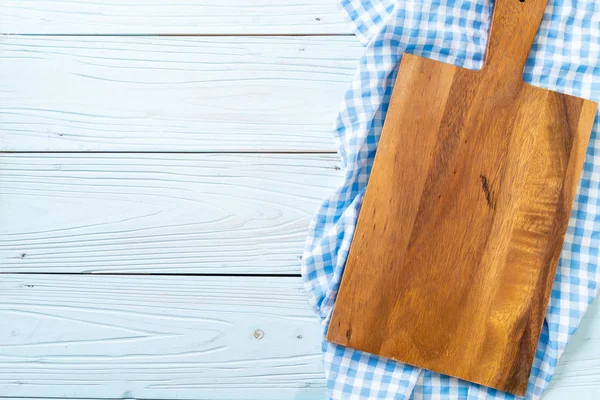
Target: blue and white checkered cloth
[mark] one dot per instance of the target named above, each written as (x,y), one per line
(566,58)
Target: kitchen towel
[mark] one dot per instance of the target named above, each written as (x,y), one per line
(565,57)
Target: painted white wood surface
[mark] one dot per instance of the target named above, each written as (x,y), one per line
(577,375)
(172,17)
(169,213)
(168,337)
(188,338)
(158,338)
(172,94)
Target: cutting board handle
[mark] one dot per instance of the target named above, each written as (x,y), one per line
(513,29)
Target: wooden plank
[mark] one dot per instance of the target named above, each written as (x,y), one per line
(132,334)
(158,338)
(465,214)
(578,372)
(229,17)
(169,213)
(172,94)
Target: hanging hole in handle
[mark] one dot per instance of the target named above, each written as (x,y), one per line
(522,1)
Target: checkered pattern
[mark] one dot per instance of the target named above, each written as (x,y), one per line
(565,57)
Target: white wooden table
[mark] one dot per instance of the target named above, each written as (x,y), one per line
(161,162)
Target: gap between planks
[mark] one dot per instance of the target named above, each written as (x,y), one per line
(200,274)
(299,152)
(62,398)
(208,35)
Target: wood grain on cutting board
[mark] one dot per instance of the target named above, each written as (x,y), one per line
(465,213)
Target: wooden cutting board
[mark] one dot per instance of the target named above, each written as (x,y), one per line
(465,213)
